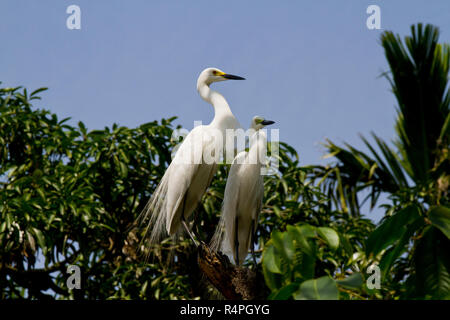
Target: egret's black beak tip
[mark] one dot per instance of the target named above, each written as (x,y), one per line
(267,122)
(232,77)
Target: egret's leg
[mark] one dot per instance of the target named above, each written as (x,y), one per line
(252,240)
(236,241)
(183,221)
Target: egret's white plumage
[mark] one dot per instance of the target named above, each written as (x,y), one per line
(186,180)
(243,198)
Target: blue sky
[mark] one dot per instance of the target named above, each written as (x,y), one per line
(312,66)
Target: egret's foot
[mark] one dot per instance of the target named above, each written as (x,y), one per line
(189,232)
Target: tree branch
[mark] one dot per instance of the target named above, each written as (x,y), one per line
(233,282)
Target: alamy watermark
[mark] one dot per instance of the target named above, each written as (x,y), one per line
(374,20)
(74,280)
(374,281)
(73,21)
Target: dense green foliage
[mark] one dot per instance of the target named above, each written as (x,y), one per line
(70,196)
(412,244)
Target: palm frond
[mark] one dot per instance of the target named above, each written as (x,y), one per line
(419,78)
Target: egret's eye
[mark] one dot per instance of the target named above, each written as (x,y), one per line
(214,72)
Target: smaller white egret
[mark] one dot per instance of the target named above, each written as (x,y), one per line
(243,198)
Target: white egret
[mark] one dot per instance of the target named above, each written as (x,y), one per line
(186,179)
(243,198)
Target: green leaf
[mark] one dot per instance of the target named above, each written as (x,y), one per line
(105,226)
(301,235)
(286,292)
(345,244)
(323,288)
(37,91)
(394,252)
(271,268)
(440,218)
(40,238)
(123,169)
(305,265)
(330,236)
(288,240)
(277,239)
(270,261)
(2,227)
(8,220)
(354,281)
(432,263)
(445,128)
(391,230)
(143,289)
(307,230)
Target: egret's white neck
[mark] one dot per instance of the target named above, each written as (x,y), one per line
(223,117)
(258,146)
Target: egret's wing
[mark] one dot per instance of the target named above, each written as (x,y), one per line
(180,179)
(259,201)
(192,177)
(223,238)
(211,175)
(167,197)
(249,206)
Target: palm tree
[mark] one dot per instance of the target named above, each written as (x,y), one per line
(415,172)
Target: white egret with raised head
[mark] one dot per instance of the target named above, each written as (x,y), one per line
(188,176)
